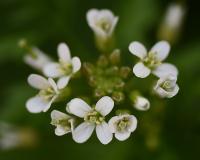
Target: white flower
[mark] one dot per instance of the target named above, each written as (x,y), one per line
(174,15)
(37,60)
(47,95)
(141,103)
(102,22)
(166,87)
(152,61)
(65,68)
(93,118)
(122,126)
(62,121)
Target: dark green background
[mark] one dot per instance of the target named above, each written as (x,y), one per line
(45,23)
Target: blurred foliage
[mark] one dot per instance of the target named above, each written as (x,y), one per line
(45,23)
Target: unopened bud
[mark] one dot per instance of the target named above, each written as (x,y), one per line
(115,56)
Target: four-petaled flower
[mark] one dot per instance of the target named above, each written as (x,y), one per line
(166,87)
(152,61)
(122,126)
(47,95)
(65,68)
(63,122)
(93,118)
(102,22)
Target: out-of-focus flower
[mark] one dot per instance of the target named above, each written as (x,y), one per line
(47,95)
(152,61)
(62,121)
(102,22)
(12,136)
(65,68)
(141,103)
(174,15)
(166,87)
(37,59)
(34,57)
(122,126)
(93,118)
(172,22)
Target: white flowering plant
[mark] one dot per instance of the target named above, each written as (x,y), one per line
(108,82)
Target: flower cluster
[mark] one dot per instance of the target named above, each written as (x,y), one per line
(108,83)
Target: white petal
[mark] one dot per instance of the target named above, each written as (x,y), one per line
(90,16)
(76,63)
(49,104)
(165,69)
(121,136)
(114,23)
(103,133)
(78,107)
(38,81)
(138,49)
(112,123)
(83,132)
(105,105)
(60,131)
(36,104)
(175,91)
(133,125)
(161,49)
(56,115)
(53,84)
(53,70)
(140,70)
(64,52)
(63,81)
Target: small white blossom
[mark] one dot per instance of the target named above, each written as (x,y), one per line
(166,87)
(62,121)
(122,126)
(12,136)
(141,103)
(102,22)
(152,61)
(37,60)
(46,96)
(174,16)
(65,68)
(93,118)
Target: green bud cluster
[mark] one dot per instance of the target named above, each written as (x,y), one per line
(107,77)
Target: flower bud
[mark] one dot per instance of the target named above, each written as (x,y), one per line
(115,56)
(141,103)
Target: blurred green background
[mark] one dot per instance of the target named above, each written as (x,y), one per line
(45,23)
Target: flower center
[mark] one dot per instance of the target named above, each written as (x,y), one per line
(66,67)
(151,60)
(123,124)
(62,122)
(104,25)
(47,93)
(94,117)
(167,85)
